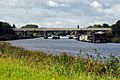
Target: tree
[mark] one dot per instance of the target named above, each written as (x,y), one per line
(6,28)
(116,29)
(30,26)
(105,25)
(13,26)
(97,26)
(90,26)
(118,22)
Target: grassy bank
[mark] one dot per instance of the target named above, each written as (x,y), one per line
(19,64)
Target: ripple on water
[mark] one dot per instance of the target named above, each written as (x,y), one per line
(67,45)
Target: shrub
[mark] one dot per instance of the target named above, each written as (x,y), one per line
(62,65)
(116,40)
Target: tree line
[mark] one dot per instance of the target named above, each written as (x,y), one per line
(115,30)
(7,29)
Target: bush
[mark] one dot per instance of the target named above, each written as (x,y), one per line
(62,65)
(116,40)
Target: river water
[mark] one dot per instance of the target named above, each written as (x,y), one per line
(70,46)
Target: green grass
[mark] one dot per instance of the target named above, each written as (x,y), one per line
(13,70)
(19,64)
(16,70)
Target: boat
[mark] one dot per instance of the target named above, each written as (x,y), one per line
(56,37)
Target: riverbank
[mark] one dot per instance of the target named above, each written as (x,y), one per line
(18,63)
(14,37)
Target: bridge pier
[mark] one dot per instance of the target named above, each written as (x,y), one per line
(77,34)
(22,34)
(71,35)
(45,35)
(25,34)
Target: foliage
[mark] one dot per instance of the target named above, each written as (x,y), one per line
(112,65)
(13,26)
(105,25)
(99,26)
(116,40)
(116,29)
(6,28)
(18,63)
(30,26)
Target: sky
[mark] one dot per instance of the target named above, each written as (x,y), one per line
(59,13)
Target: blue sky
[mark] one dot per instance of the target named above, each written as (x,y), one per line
(59,13)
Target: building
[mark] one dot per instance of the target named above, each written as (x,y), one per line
(95,37)
(86,38)
(99,37)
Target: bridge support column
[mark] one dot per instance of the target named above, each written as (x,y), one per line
(71,33)
(45,35)
(25,34)
(77,33)
(89,32)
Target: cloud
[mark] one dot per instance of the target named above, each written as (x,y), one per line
(96,4)
(60,13)
(116,9)
(6,3)
(111,11)
(55,4)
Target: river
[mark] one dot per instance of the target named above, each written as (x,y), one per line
(70,46)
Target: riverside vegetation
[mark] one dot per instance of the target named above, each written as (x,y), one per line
(20,64)
(7,32)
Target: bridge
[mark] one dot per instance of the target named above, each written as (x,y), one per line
(45,32)
(61,29)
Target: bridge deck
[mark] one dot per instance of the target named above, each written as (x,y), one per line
(61,29)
